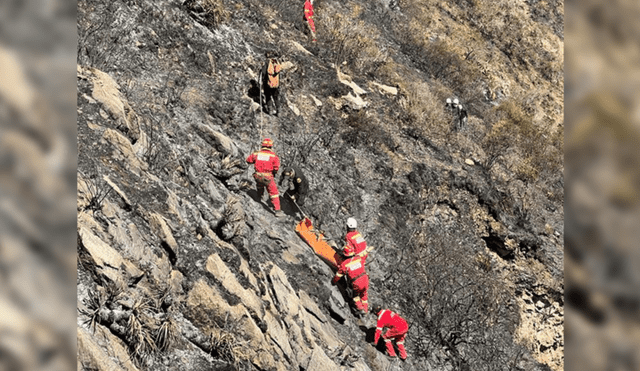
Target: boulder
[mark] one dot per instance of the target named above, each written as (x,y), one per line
(311,306)
(91,353)
(106,258)
(296,46)
(337,306)
(219,269)
(324,333)
(285,295)
(320,362)
(346,79)
(123,145)
(219,141)
(107,91)
(316,101)
(355,101)
(207,307)
(385,88)
(279,335)
(161,229)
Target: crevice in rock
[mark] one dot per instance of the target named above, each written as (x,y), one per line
(172,255)
(230,298)
(336,316)
(496,244)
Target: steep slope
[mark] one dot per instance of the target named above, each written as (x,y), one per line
(181,265)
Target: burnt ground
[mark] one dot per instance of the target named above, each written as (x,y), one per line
(448,232)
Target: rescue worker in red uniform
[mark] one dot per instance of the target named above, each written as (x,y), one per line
(354,269)
(355,243)
(308,16)
(397,330)
(266,166)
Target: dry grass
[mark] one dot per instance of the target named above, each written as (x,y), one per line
(95,301)
(424,110)
(211,13)
(167,334)
(483,262)
(353,41)
(482,49)
(524,145)
(140,330)
(226,346)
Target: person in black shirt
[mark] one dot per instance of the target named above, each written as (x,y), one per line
(296,183)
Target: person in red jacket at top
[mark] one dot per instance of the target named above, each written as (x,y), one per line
(397,330)
(355,243)
(354,269)
(308,16)
(266,165)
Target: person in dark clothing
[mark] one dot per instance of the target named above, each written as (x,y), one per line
(296,183)
(462,115)
(271,82)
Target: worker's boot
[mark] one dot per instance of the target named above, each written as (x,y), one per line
(390,350)
(401,350)
(275,201)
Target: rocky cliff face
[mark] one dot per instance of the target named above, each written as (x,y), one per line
(181,265)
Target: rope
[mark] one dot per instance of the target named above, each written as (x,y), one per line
(295,203)
(261,77)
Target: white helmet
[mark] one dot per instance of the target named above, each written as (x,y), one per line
(351,223)
(448,100)
(455,101)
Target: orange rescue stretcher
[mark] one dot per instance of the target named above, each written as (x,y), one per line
(317,242)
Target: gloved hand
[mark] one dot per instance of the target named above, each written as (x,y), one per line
(335,280)
(293,197)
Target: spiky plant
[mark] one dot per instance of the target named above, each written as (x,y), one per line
(167,333)
(139,330)
(161,294)
(227,347)
(96,300)
(113,289)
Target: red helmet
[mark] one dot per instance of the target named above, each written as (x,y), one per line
(266,142)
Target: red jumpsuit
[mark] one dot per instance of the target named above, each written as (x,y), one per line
(308,15)
(397,330)
(266,166)
(356,246)
(354,269)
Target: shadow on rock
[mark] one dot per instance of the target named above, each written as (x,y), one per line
(254,91)
(265,204)
(370,333)
(289,208)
